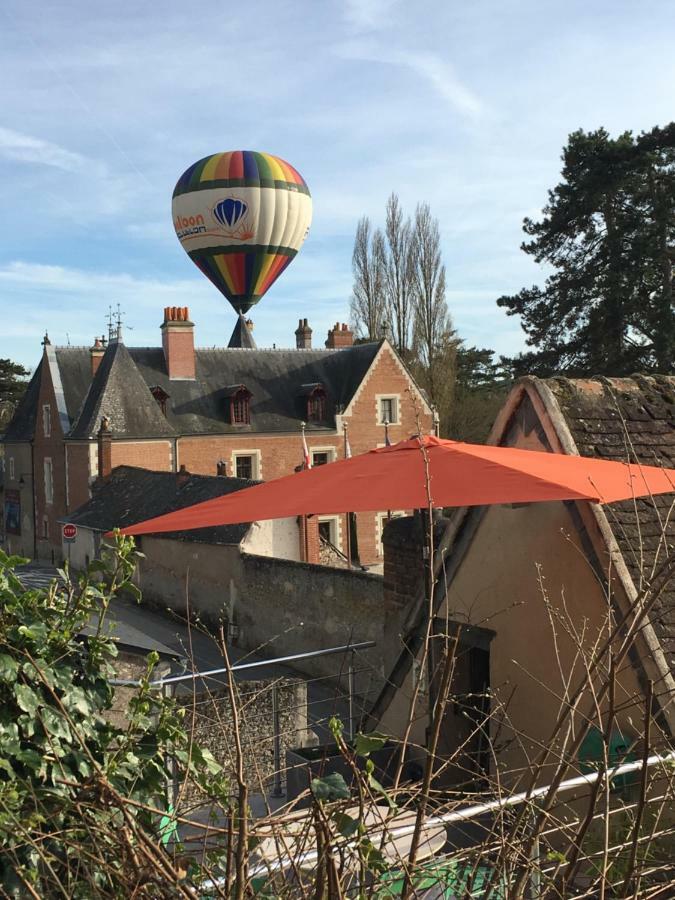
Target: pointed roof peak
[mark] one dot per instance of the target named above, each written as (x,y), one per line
(242,336)
(119,392)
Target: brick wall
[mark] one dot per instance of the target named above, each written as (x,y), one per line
(157,455)
(403,560)
(278,454)
(77,456)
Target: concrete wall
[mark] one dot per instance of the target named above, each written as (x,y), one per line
(273,537)
(83,549)
(281,606)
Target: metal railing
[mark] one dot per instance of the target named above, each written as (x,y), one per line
(476,810)
(259,664)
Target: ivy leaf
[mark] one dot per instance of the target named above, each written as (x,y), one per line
(8,668)
(364,744)
(55,724)
(330,787)
(27,699)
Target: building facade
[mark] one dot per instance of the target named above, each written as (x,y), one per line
(236,411)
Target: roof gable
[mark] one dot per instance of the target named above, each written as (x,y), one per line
(630,419)
(119,393)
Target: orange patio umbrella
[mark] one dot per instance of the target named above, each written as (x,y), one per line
(395,477)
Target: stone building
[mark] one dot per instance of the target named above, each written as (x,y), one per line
(235,411)
(516,580)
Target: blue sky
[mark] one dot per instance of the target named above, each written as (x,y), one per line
(464,105)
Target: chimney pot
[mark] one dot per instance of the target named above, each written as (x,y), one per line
(221,468)
(178,343)
(340,336)
(303,335)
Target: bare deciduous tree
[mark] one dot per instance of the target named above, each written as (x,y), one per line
(434,339)
(367,303)
(399,275)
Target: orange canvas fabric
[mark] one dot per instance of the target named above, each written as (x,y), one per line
(396,477)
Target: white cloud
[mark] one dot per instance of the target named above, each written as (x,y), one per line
(27,149)
(367,14)
(439,73)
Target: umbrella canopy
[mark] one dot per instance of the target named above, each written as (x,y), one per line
(396,478)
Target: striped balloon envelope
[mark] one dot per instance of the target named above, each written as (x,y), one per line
(241,217)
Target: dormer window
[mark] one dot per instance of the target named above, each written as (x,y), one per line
(160,396)
(315,395)
(238,397)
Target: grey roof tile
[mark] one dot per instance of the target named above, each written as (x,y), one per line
(131,495)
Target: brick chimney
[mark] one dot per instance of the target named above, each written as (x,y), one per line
(104,448)
(339,336)
(303,335)
(96,352)
(178,342)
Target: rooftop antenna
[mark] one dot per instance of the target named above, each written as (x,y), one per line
(109,318)
(118,318)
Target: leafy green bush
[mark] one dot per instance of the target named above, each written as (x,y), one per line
(81,798)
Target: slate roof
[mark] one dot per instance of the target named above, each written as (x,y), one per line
(242,336)
(120,390)
(75,369)
(631,419)
(274,378)
(132,495)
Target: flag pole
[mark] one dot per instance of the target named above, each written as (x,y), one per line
(387,443)
(307,464)
(348,453)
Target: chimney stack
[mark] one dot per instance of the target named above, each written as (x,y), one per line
(221,468)
(340,336)
(178,342)
(303,335)
(182,476)
(96,352)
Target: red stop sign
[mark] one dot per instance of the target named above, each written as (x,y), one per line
(70,531)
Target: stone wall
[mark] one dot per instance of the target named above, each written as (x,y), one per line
(281,607)
(209,713)
(214,728)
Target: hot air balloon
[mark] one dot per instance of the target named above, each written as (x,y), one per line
(241,217)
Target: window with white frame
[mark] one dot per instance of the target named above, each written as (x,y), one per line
(49,481)
(382,519)
(322,455)
(329,530)
(388,410)
(12,470)
(47,420)
(246,464)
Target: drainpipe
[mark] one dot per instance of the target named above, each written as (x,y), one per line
(34,480)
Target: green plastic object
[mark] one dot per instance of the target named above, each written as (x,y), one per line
(592,755)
